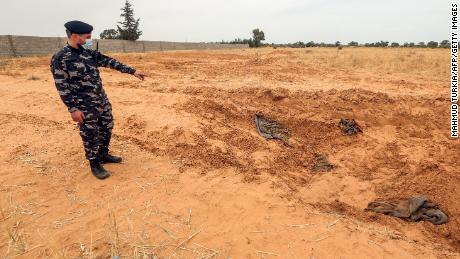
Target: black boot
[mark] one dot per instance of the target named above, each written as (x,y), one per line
(107,158)
(104,155)
(98,170)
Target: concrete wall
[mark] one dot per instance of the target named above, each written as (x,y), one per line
(13,46)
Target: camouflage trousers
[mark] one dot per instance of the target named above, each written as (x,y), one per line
(96,130)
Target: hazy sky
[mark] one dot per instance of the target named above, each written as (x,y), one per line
(215,20)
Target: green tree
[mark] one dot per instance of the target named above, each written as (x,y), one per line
(384,43)
(129,29)
(257,37)
(353,43)
(394,44)
(421,45)
(432,44)
(109,34)
(444,44)
(310,44)
(298,44)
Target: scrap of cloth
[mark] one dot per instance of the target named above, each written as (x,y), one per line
(322,164)
(412,209)
(349,126)
(270,129)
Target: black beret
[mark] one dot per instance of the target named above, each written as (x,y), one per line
(78,27)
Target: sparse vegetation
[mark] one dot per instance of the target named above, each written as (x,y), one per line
(257,37)
(33,78)
(129,29)
(17,241)
(110,34)
(444,44)
(353,43)
(421,45)
(432,44)
(379,44)
(115,243)
(256,41)
(3,63)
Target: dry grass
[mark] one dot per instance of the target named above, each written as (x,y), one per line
(115,243)
(28,62)
(429,63)
(423,62)
(16,239)
(33,78)
(3,63)
(17,243)
(14,67)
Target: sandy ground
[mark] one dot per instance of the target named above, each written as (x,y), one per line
(199,182)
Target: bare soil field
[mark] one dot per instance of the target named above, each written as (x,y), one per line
(198,181)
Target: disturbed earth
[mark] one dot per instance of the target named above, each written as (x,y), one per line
(198,181)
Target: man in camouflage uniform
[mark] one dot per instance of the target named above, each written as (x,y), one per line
(77,79)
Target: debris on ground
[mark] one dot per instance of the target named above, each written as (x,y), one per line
(412,209)
(349,126)
(271,129)
(322,164)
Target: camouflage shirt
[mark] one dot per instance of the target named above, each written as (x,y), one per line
(77,77)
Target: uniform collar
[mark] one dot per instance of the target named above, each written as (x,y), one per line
(79,50)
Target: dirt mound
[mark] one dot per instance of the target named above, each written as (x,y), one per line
(228,139)
(198,179)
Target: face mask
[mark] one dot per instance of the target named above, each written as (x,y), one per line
(88,44)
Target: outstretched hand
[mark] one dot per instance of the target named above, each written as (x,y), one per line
(139,75)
